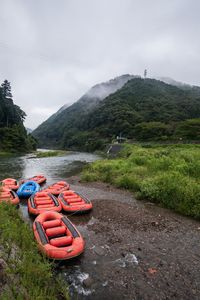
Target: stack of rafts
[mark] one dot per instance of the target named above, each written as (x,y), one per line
(56,236)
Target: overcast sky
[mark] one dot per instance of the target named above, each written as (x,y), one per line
(54,51)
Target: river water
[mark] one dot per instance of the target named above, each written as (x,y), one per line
(54,168)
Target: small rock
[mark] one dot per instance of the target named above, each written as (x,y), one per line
(105,283)
(152,271)
(154,223)
(3,264)
(88,282)
(99,251)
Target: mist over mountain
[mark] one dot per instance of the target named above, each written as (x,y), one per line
(66,116)
(140,109)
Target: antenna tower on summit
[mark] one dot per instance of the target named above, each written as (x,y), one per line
(145,73)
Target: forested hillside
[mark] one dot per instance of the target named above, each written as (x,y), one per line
(12,131)
(51,133)
(143,110)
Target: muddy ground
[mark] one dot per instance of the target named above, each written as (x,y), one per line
(134,249)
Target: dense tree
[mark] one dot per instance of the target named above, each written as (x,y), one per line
(189,129)
(12,131)
(6,89)
(143,109)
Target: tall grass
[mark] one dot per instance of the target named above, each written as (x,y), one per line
(167,174)
(28,274)
(41,154)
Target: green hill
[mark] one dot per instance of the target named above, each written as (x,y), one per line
(51,133)
(12,131)
(142,109)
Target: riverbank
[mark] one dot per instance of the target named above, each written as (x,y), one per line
(24,272)
(51,153)
(165,174)
(4,154)
(134,249)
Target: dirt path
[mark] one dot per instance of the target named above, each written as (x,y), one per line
(134,250)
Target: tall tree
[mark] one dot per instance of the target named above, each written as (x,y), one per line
(6,89)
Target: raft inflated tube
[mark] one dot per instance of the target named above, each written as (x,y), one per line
(57,188)
(74,202)
(37,178)
(43,201)
(10,183)
(53,223)
(27,189)
(8,195)
(56,236)
(61,241)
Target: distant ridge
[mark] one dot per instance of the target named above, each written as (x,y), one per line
(67,115)
(136,108)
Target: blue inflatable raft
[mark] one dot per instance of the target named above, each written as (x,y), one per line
(27,189)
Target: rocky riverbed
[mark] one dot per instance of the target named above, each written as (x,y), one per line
(134,249)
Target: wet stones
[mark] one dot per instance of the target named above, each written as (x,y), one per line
(87,283)
(99,250)
(3,266)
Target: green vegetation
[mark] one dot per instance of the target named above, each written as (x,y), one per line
(40,154)
(142,110)
(168,175)
(13,134)
(63,129)
(4,153)
(28,274)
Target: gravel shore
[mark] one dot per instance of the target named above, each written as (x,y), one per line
(134,249)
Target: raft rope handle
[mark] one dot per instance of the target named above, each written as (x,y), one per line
(83,197)
(75,212)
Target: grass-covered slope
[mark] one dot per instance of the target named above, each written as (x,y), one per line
(24,272)
(168,175)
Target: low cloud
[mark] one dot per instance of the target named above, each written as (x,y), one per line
(53,54)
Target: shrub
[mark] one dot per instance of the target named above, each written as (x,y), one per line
(167,174)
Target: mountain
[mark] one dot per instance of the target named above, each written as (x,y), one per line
(194,89)
(171,81)
(50,133)
(142,109)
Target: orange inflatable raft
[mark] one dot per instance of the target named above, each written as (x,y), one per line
(57,188)
(8,196)
(57,237)
(10,183)
(43,201)
(73,202)
(37,178)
